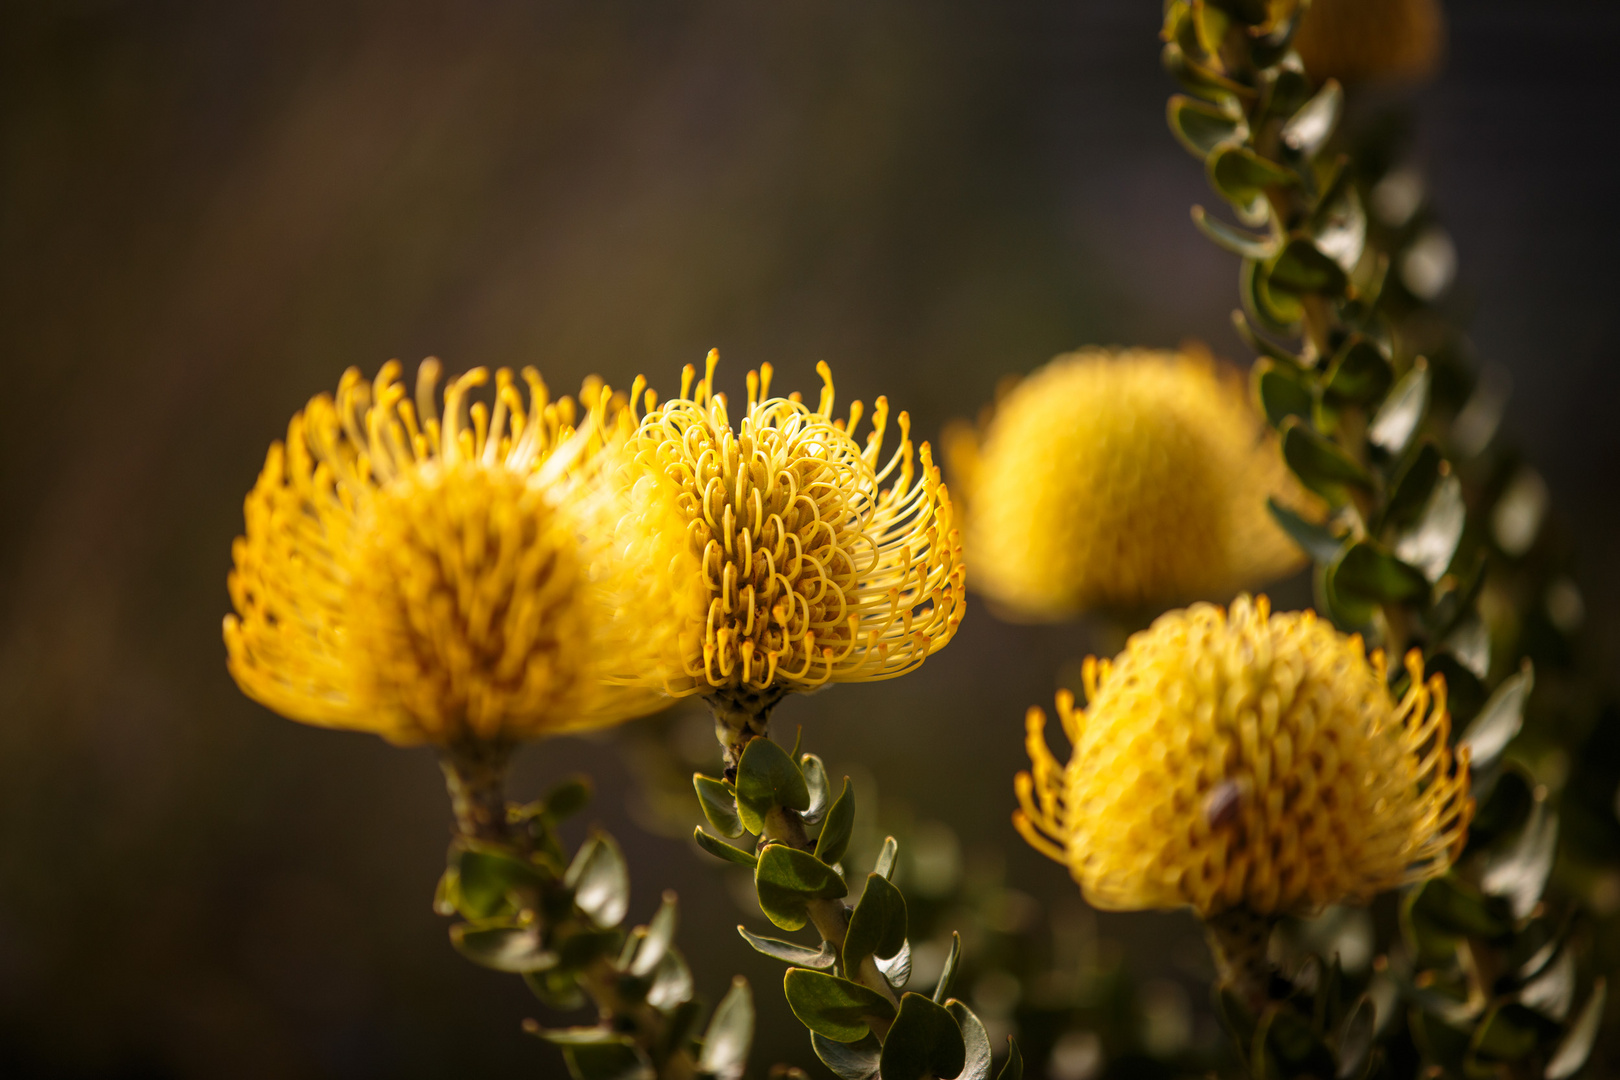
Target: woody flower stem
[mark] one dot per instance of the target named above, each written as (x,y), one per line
(1237,940)
(475,774)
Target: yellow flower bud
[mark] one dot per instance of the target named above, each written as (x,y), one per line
(1244,760)
(487,578)
(1120,478)
(819,561)
(1360,40)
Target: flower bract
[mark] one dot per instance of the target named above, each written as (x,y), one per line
(1244,760)
(492,575)
(1120,478)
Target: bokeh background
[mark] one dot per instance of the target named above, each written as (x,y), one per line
(207,211)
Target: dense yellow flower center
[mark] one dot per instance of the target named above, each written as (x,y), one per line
(494,577)
(1118,479)
(814,571)
(1246,760)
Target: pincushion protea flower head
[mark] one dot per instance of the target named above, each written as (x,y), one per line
(1358,40)
(1244,760)
(821,562)
(1119,478)
(484,578)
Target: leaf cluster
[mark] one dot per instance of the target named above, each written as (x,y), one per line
(527,908)
(850,992)
(1488,975)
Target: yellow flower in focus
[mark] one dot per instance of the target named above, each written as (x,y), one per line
(1359,40)
(1246,760)
(491,577)
(820,563)
(1118,478)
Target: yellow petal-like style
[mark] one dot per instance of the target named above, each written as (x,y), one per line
(491,576)
(818,561)
(1245,760)
(1121,478)
(1365,40)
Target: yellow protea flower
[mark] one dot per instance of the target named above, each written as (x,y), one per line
(485,578)
(1244,760)
(1120,478)
(1359,40)
(819,562)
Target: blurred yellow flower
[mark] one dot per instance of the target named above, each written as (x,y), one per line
(1118,478)
(487,578)
(1358,40)
(1249,761)
(814,571)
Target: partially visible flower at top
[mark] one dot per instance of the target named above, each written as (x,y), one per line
(820,562)
(1371,40)
(486,578)
(1246,761)
(1120,478)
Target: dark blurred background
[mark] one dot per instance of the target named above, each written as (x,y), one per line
(207,211)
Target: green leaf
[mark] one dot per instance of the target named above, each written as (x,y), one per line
(924,1041)
(1398,417)
(947,974)
(976,1040)
(1365,576)
(1241,175)
(878,925)
(1317,541)
(1339,229)
(557,988)
(1431,543)
(1301,267)
(815,780)
(671,982)
(1240,323)
(1320,464)
(897,968)
(1577,1045)
(580,946)
(835,1008)
(618,1060)
(719,801)
(721,849)
(1457,909)
(835,832)
(797,955)
(767,779)
(1229,238)
(1499,720)
(730,1034)
(1278,312)
(788,879)
(567,798)
(1519,873)
(1201,127)
(886,857)
(1358,371)
(1013,1067)
(486,877)
(1309,129)
(1409,492)
(1504,800)
(1509,1032)
(660,931)
(600,880)
(1552,992)
(1197,79)
(1355,1039)
(503,948)
(1284,1037)
(848,1061)
(1281,390)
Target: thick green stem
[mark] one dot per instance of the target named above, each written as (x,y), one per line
(739,717)
(475,773)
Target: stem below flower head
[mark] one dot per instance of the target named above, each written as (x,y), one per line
(475,773)
(741,716)
(1238,939)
